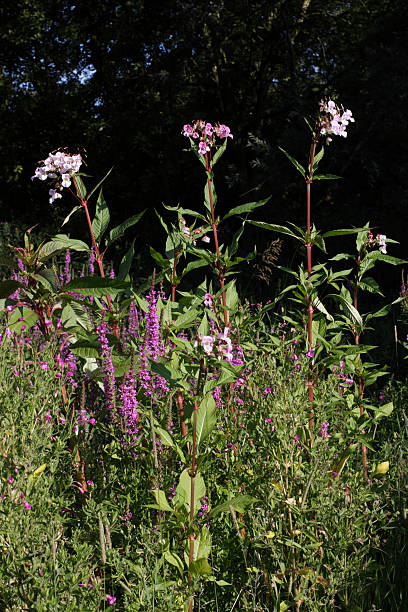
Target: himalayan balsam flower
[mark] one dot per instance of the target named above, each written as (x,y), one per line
(334,119)
(207,342)
(208,300)
(381,241)
(206,133)
(60,167)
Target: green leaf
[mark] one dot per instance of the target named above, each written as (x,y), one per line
(326,177)
(193,265)
(101,219)
(62,242)
(165,437)
(220,151)
(281,229)
(159,259)
(206,418)
(317,158)
(8,287)
(126,262)
(175,560)
(231,297)
(78,182)
(377,256)
(209,189)
(86,349)
(183,491)
(201,567)
(99,184)
(294,162)
(96,286)
(239,503)
(342,232)
(371,285)
(349,309)
(119,230)
(186,319)
(383,411)
(161,500)
(243,208)
(47,279)
(29,318)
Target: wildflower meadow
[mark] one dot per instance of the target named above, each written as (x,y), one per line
(178,447)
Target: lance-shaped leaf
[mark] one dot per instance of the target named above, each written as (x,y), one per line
(159,259)
(47,279)
(62,242)
(119,230)
(126,262)
(239,503)
(220,151)
(185,211)
(80,186)
(343,232)
(326,177)
(245,208)
(183,491)
(317,158)
(100,183)
(281,229)
(101,219)
(210,197)
(348,308)
(193,265)
(206,418)
(298,166)
(96,286)
(378,256)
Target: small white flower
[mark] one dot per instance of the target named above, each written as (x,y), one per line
(207,342)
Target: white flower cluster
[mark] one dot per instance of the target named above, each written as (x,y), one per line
(59,167)
(224,350)
(334,119)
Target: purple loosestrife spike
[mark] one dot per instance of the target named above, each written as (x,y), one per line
(107,366)
(128,406)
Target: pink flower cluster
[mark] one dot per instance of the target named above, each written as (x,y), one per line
(334,119)
(380,240)
(191,233)
(59,167)
(206,134)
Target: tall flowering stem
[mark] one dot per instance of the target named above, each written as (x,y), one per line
(206,135)
(62,169)
(214,226)
(367,243)
(193,474)
(332,120)
(309,181)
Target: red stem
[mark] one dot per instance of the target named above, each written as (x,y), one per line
(360,379)
(217,250)
(97,256)
(309,181)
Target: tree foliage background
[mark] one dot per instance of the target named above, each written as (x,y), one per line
(119,79)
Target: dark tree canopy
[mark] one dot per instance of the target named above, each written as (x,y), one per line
(120,79)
